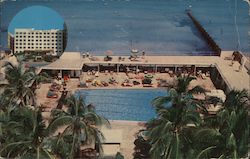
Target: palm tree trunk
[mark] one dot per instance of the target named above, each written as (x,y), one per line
(72,147)
(37,153)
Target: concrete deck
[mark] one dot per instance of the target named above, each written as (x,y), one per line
(234,78)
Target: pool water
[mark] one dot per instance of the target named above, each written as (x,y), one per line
(120,104)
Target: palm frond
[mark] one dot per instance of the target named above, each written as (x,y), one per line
(58,122)
(197,89)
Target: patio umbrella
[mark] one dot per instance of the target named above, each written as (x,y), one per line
(134,53)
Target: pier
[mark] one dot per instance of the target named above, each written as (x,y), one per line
(205,34)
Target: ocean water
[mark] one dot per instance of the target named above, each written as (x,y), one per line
(122,104)
(159,27)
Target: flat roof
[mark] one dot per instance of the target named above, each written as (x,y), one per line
(68,61)
(234,78)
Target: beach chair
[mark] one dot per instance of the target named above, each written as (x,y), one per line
(51,94)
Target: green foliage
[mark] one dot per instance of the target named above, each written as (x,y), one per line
(19,81)
(48,58)
(23,133)
(80,123)
(224,135)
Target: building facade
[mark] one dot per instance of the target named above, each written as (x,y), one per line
(31,40)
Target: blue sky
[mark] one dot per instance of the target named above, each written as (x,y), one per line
(37,17)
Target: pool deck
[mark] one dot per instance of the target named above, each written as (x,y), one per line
(234,78)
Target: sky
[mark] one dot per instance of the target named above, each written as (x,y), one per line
(37,17)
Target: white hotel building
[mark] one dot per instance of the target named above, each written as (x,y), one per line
(48,41)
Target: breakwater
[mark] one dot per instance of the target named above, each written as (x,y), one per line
(205,34)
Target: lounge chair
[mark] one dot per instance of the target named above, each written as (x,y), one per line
(147,85)
(51,94)
(105,84)
(136,83)
(82,84)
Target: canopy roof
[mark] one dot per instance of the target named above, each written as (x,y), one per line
(68,61)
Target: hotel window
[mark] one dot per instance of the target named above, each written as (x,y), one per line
(28,47)
(28,36)
(32,33)
(20,40)
(16,36)
(40,36)
(32,43)
(24,40)
(36,33)
(29,40)
(48,43)
(36,40)
(32,37)
(40,40)
(16,43)
(36,36)
(48,47)
(36,43)
(47,36)
(24,33)
(16,47)
(20,44)
(24,43)
(40,47)
(40,43)
(44,40)
(32,47)
(36,47)
(21,36)
(40,33)
(17,32)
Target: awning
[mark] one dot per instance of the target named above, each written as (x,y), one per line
(68,61)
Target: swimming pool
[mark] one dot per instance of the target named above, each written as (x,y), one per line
(123,104)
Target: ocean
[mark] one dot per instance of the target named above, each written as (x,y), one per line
(158,27)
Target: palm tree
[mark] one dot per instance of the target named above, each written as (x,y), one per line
(24,134)
(80,123)
(174,112)
(18,88)
(226,134)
